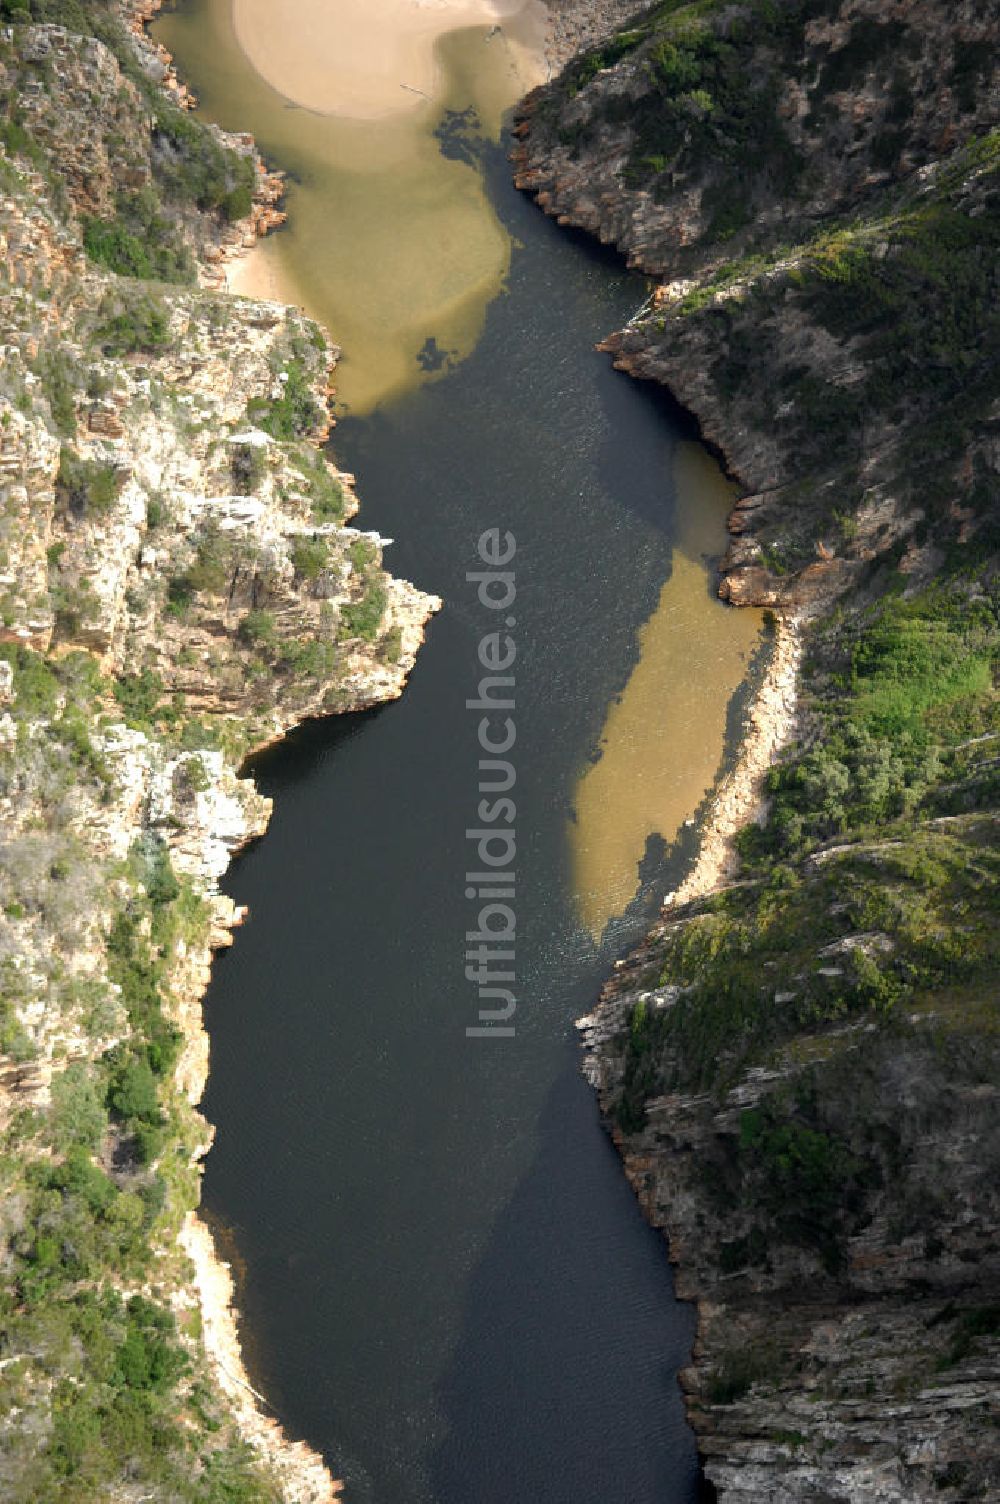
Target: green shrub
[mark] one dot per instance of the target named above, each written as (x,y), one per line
(257,629)
(59,380)
(109,244)
(132,1091)
(316,658)
(191,166)
(208,574)
(79,1176)
(77,1113)
(18,141)
(155,871)
(706,106)
(36,681)
(139,241)
(391,647)
(364,617)
(149,1357)
(131,323)
(75,606)
(139,695)
(310,556)
(292,415)
(972,1326)
(737,1372)
(139,975)
(362,553)
(85,487)
(238,203)
(805,1181)
(326,494)
(180,594)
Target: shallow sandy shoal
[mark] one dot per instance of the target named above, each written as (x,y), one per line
(362,58)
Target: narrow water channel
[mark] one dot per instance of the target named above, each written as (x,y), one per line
(446,1282)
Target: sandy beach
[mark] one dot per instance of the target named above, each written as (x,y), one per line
(394,240)
(358,58)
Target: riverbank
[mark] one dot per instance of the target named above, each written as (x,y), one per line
(405,288)
(180,587)
(225,264)
(301,1472)
(765,1060)
(770,724)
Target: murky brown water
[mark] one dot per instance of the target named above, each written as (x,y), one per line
(659,750)
(391,244)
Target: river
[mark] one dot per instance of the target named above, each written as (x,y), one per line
(446,1283)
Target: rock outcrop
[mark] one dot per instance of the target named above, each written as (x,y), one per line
(180,583)
(797,145)
(799,1065)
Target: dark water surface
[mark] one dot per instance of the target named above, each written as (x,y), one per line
(448,1285)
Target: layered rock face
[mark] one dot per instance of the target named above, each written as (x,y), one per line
(754,157)
(799,1067)
(179,584)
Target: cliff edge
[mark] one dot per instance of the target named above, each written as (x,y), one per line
(180,583)
(800,1065)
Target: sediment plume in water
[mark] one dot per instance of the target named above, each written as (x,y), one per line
(659,749)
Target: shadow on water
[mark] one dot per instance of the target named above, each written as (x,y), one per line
(571,1289)
(450,1287)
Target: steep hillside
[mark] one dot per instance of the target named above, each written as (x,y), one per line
(801,1067)
(178,584)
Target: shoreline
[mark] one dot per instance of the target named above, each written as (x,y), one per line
(769,724)
(300,1469)
(770,720)
(236,242)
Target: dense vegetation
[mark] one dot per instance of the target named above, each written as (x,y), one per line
(94,1186)
(705,82)
(879,833)
(859,949)
(147,235)
(912,292)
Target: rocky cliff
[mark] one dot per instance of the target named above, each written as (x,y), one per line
(800,1064)
(179,583)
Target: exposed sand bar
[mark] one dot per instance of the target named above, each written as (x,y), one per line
(660,746)
(390,242)
(365,58)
